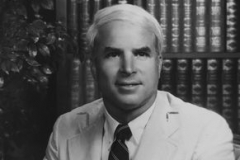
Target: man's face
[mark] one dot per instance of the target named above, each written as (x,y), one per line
(127,67)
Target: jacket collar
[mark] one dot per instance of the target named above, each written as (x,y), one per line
(88,143)
(161,137)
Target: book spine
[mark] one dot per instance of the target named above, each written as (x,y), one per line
(61,12)
(213,86)
(89,83)
(72,24)
(84,24)
(167,79)
(164,23)
(151,7)
(107,3)
(187,27)
(182,77)
(138,3)
(231,26)
(75,77)
(66,13)
(63,88)
(122,2)
(91,92)
(175,30)
(76,83)
(201,27)
(198,78)
(216,24)
(97,5)
(238,96)
(227,91)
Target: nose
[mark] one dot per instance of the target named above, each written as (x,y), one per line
(127,64)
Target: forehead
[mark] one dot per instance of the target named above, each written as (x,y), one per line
(124,33)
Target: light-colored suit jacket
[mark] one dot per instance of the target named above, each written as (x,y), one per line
(176,131)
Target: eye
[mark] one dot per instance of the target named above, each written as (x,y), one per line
(112,54)
(142,54)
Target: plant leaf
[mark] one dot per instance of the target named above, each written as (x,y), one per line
(35,7)
(20,64)
(6,66)
(21,45)
(21,10)
(13,56)
(43,49)
(32,62)
(39,24)
(47,4)
(14,67)
(47,70)
(32,50)
(43,79)
(39,75)
(1,81)
(36,72)
(51,38)
(35,39)
(36,28)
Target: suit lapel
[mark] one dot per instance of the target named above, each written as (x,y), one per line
(160,139)
(87,145)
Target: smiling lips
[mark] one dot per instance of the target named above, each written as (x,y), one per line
(127,85)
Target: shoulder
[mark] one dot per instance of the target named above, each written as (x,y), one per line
(192,114)
(72,122)
(200,128)
(91,108)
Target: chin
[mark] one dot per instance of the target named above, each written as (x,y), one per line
(129,101)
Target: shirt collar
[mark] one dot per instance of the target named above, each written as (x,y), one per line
(110,124)
(136,126)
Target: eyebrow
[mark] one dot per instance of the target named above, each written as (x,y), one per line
(142,49)
(108,49)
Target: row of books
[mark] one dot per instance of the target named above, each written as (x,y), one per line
(209,83)
(198,25)
(188,25)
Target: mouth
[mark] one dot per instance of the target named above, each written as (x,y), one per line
(128,85)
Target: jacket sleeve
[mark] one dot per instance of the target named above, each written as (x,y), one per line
(52,148)
(215,141)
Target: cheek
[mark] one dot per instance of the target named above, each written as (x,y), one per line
(107,71)
(151,72)
(150,67)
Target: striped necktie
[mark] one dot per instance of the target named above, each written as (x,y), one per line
(119,150)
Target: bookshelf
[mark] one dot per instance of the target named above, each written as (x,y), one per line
(202,36)
(201,55)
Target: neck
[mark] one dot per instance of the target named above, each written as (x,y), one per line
(123,115)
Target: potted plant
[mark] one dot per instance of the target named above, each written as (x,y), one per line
(31,49)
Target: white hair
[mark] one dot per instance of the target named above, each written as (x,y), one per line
(129,13)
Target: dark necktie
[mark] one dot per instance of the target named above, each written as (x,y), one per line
(119,150)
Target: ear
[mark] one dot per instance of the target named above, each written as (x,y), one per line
(160,63)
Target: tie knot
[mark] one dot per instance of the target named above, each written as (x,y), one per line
(123,132)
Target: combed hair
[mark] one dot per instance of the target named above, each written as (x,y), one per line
(129,13)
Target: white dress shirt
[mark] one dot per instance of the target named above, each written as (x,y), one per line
(136,126)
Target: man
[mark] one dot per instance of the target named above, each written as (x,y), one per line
(126,44)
